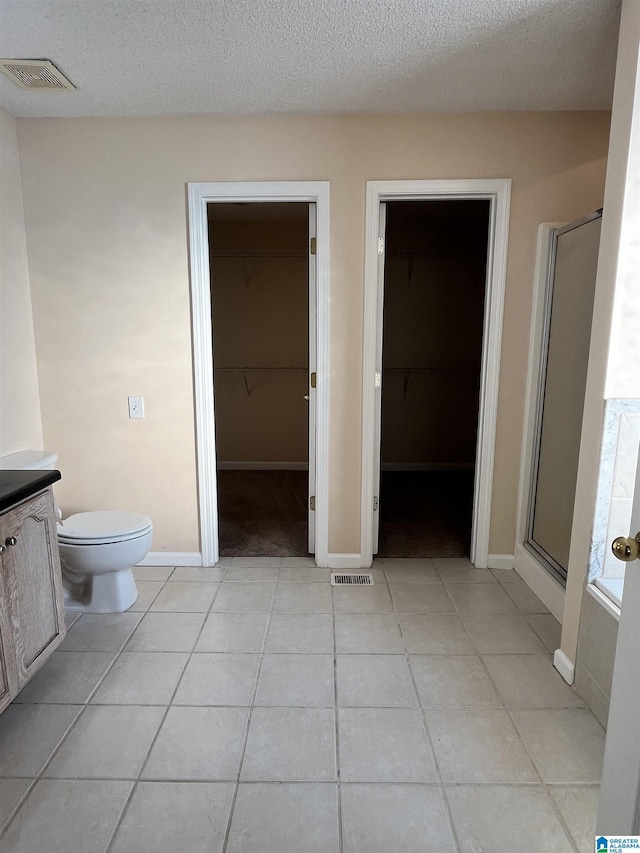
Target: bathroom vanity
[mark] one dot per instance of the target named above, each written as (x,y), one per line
(32,623)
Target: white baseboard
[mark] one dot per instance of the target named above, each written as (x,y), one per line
(546,587)
(500,561)
(564,666)
(172,558)
(427,466)
(263,466)
(345,561)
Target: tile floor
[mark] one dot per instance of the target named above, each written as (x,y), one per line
(253,708)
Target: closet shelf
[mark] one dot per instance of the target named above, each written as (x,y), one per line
(247,372)
(407,372)
(428,369)
(258,253)
(425,253)
(231,370)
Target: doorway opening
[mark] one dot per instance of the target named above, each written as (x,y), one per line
(262,300)
(315,194)
(435,267)
(421,357)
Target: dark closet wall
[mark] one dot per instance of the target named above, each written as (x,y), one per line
(260,315)
(435,277)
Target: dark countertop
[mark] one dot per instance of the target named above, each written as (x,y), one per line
(16,486)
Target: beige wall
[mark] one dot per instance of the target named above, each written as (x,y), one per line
(105,212)
(20,425)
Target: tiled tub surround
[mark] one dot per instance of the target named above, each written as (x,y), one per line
(616,482)
(252,708)
(596,656)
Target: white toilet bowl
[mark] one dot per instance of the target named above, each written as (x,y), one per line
(97,553)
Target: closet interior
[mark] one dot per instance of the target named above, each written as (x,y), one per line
(259,262)
(433,317)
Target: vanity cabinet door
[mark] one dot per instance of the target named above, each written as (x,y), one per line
(8,680)
(32,583)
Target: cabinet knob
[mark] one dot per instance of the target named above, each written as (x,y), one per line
(11,540)
(3,548)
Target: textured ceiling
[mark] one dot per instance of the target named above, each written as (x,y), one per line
(177,57)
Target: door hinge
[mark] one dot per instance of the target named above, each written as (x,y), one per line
(381,245)
(312,245)
(375,504)
(312,502)
(312,380)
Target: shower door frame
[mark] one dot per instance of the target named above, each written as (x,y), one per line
(557,572)
(498,192)
(199,196)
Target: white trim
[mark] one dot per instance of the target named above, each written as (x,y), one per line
(172,558)
(262,466)
(199,195)
(345,561)
(603,599)
(550,592)
(312,367)
(500,561)
(564,666)
(378,377)
(427,466)
(498,192)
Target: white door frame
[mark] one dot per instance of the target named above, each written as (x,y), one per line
(199,196)
(545,586)
(498,192)
(312,368)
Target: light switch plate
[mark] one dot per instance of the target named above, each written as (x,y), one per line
(136,407)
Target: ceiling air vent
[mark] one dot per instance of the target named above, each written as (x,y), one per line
(35,74)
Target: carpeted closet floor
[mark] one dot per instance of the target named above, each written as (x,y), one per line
(422,513)
(263,513)
(425,513)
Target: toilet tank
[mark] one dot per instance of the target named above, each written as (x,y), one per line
(29,460)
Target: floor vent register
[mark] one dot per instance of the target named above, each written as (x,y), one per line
(352,579)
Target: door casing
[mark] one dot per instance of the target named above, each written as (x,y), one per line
(199,196)
(497,191)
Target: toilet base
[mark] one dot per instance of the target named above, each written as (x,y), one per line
(109,592)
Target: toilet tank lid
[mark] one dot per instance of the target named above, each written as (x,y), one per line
(28,460)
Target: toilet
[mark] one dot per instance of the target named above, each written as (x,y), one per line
(97,553)
(97,549)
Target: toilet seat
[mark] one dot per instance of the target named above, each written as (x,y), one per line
(103,527)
